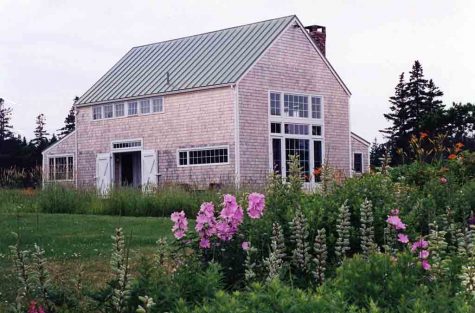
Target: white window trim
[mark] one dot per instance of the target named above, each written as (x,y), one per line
(126,109)
(297,120)
(197,149)
(54,156)
(131,149)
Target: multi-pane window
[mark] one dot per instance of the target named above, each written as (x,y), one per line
(108,111)
(157,105)
(96,112)
(203,156)
(277,155)
(132,108)
(358,163)
(274,103)
(317,160)
(316,130)
(295,105)
(296,129)
(61,168)
(275,128)
(145,106)
(119,109)
(316,107)
(126,144)
(300,148)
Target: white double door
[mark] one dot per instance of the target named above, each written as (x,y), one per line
(105,170)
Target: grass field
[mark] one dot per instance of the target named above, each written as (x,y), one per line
(70,240)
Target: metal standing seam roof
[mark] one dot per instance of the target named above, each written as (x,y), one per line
(204,60)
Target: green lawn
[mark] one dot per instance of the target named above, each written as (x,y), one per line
(72,239)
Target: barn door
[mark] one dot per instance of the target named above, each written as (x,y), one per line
(149,169)
(103,173)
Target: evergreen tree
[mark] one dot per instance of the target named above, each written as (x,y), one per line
(433,110)
(69,123)
(40,141)
(5,117)
(376,153)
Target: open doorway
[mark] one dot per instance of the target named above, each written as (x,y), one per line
(128,169)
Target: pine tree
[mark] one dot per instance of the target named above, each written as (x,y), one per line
(432,115)
(40,141)
(69,124)
(5,117)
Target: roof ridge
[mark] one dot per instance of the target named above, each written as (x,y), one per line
(214,31)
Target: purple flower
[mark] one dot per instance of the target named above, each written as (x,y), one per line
(425,265)
(396,222)
(246,245)
(256,205)
(181,224)
(205,224)
(420,244)
(205,243)
(402,238)
(424,254)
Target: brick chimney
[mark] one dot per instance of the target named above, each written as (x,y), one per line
(318,34)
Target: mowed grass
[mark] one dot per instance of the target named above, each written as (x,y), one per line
(71,240)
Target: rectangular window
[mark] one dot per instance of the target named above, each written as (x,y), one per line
(61,168)
(274,103)
(276,155)
(132,108)
(97,112)
(300,148)
(296,129)
(275,128)
(157,105)
(126,144)
(203,156)
(295,105)
(358,163)
(145,106)
(119,109)
(316,107)
(317,160)
(316,130)
(108,111)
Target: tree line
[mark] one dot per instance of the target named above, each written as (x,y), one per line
(417,110)
(16,151)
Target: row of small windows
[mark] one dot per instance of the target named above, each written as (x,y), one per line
(130,108)
(203,156)
(126,144)
(295,129)
(295,105)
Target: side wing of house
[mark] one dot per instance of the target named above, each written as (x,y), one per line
(190,140)
(291,102)
(59,161)
(359,154)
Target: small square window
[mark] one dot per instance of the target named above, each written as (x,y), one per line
(145,106)
(108,111)
(132,106)
(275,128)
(157,105)
(183,158)
(119,109)
(316,130)
(97,112)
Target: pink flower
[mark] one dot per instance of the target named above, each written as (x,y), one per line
(396,222)
(35,308)
(181,224)
(230,206)
(204,243)
(420,244)
(424,254)
(443,180)
(246,245)
(425,265)
(402,238)
(256,205)
(205,224)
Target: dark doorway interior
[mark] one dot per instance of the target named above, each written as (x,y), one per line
(128,171)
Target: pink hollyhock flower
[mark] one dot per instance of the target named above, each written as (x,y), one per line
(207,208)
(205,224)
(425,265)
(224,231)
(424,254)
(420,244)
(396,222)
(205,243)
(403,238)
(246,245)
(230,206)
(256,205)
(181,224)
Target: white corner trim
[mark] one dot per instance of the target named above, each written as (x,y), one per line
(237,141)
(57,142)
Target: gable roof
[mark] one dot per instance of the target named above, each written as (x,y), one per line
(360,139)
(210,59)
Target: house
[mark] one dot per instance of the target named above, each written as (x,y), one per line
(221,107)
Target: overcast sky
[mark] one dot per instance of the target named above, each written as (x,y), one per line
(51,51)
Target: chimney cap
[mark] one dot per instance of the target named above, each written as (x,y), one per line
(316,28)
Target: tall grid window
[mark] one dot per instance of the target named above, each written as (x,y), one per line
(132,108)
(300,148)
(316,107)
(97,112)
(358,163)
(61,168)
(108,111)
(277,155)
(203,156)
(145,106)
(295,105)
(119,109)
(157,105)
(275,103)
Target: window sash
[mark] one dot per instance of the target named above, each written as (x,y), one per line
(108,111)
(205,156)
(157,105)
(97,112)
(61,168)
(145,106)
(119,109)
(132,108)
